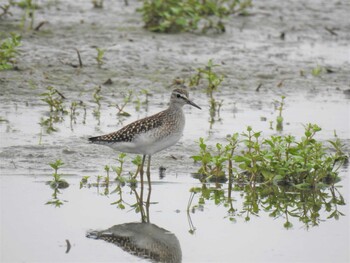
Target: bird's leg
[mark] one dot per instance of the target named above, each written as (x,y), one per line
(141,177)
(149,172)
(142,164)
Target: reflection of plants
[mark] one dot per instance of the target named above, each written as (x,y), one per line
(189,15)
(56,183)
(303,164)
(8,51)
(278,201)
(119,183)
(121,179)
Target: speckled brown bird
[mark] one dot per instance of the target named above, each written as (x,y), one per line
(152,134)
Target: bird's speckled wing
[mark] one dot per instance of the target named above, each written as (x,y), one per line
(127,133)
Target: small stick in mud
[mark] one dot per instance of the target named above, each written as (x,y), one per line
(79,57)
(258,88)
(331,31)
(40,25)
(60,94)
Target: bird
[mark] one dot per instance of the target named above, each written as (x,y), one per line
(151,134)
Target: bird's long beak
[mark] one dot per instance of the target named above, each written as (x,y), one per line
(193,104)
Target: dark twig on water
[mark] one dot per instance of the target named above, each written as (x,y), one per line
(40,25)
(331,31)
(258,88)
(79,58)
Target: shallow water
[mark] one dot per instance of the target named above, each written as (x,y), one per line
(250,54)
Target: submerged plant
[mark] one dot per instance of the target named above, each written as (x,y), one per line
(9,51)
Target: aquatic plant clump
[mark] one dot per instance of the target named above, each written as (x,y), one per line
(281,160)
(9,51)
(189,15)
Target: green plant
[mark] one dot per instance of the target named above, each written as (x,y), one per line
(54,99)
(126,101)
(302,164)
(119,169)
(97,3)
(317,71)
(206,76)
(279,119)
(56,183)
(138,102)
(188,15)
(5,10)
(99,56)
(29,6)
(73,112)
(213,79)
(8,51)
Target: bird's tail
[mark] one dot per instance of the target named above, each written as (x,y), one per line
(94,139)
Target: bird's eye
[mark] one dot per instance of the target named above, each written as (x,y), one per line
(178,96)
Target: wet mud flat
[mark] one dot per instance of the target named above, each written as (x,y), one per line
(263,56)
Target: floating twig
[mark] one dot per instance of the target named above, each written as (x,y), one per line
(79,58)
(40,25)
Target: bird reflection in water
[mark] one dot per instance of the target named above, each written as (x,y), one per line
(143,239)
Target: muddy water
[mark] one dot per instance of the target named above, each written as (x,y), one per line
(251,54)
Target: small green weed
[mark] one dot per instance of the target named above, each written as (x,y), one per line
(54,99)
(209,78)
(97,3)
(100,56)
(9,51)
(317,71)
(279,119)
(126,100)
(29,6)
(56,184)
